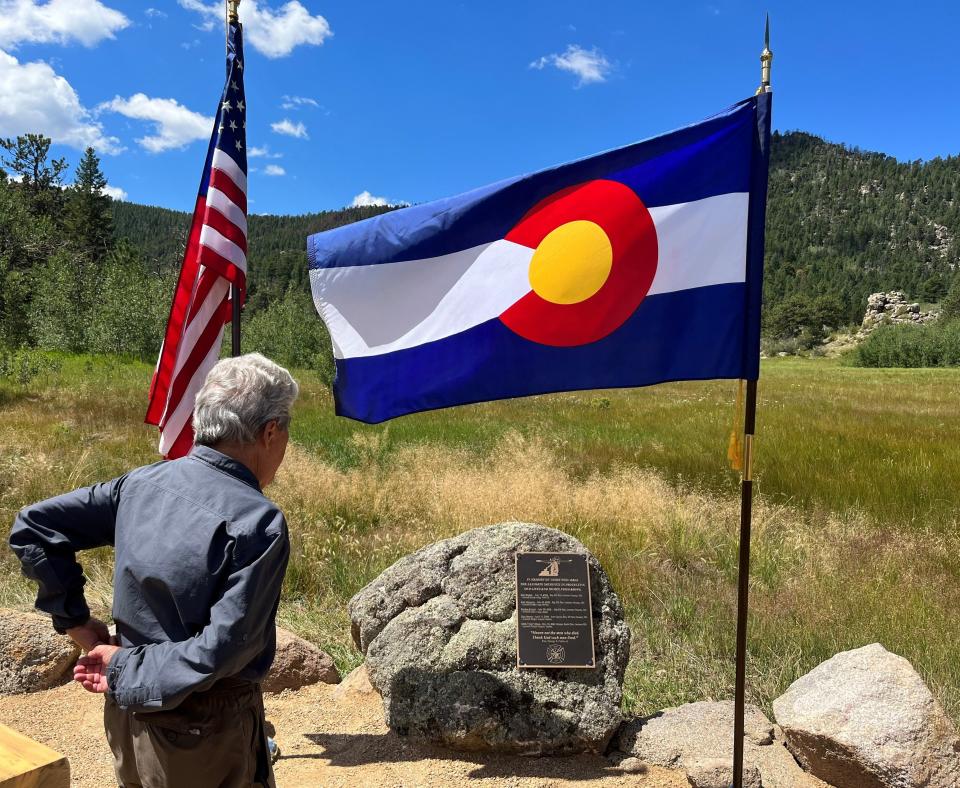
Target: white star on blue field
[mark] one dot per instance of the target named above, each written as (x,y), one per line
(360,103)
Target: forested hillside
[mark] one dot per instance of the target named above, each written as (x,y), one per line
(841,223)
(845,223)
(79,271)
(276,244)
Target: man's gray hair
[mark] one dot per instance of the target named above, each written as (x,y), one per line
(239,396)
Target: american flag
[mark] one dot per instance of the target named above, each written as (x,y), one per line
(215,258)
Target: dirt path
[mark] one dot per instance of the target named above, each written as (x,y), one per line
(328,739)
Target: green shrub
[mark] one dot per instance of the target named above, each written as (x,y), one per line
(800,322)
(22,366)
(950,305)
(930,345)
(129,313)
(290,332)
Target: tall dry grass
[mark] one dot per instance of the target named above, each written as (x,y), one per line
(819,584)
(619,470)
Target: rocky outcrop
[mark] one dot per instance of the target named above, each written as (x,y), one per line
(438,629)
(32,656)
(866,718)
(297,664)
(698,738)
(892,307)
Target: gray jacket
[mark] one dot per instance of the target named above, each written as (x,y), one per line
(200,559)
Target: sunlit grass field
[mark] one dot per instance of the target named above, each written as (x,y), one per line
(855,533)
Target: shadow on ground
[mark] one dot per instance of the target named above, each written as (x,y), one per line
(359,749)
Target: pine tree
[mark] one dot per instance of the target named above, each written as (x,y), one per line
(89,219)
(950,305)
(26,158)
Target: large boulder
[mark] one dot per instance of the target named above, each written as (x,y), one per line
(297,664)
(698,738)
(32,656)
(438,629)
(865,718)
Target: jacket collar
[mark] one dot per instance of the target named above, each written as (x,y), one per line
(227,464)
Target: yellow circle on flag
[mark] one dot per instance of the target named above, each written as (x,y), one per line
(571,263)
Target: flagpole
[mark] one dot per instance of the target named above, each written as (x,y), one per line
(232,18)
(746,514)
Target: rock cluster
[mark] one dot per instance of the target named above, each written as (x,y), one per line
(32,656)
(438,629)
(863,718)
(892,307)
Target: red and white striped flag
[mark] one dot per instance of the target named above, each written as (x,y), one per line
(215,258)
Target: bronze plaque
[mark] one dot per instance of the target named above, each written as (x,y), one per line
(554,618)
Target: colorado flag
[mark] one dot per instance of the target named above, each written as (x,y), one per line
(636,266)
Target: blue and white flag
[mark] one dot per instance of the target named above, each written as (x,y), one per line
(636,266)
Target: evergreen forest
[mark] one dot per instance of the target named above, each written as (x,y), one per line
(81,272)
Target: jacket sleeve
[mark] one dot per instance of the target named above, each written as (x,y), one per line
(159,676)
(46,537)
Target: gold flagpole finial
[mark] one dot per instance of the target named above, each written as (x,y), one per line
(232,14)
(766,58)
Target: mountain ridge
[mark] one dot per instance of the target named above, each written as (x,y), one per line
(840,221)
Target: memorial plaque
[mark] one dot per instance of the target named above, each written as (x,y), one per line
(554,617)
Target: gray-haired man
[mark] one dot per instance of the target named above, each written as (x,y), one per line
(200,555)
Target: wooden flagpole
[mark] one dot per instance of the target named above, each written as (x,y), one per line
(232,18)
(746,514)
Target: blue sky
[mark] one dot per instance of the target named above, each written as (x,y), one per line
(414,101)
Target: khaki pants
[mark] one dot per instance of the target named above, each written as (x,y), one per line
(214,739)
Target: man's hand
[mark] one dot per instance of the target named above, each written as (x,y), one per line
(91,634)
(91,670)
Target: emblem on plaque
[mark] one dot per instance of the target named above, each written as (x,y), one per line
(552,568)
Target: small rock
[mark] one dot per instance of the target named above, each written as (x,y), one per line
(865,718)
(356,683)
(718,773)
(32,655)
(298,663)
(633,766)
(694,737)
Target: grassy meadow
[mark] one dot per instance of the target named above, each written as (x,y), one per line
(855,530)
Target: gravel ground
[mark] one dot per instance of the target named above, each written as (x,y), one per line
(327,738)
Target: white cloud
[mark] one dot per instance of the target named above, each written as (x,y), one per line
(290,129)
(34,98)
(365,199)
(295,102)
(115,192)
(176,126)
(156,13)
(590,65)
(273,33)
(262,153)
(273,169)
(58,21)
